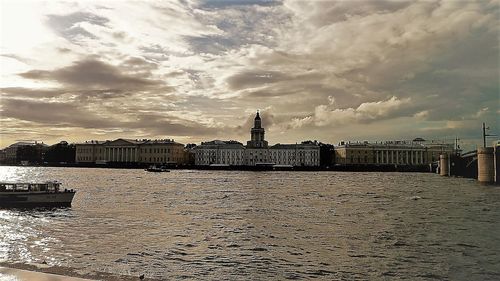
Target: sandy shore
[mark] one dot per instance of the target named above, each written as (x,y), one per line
(58,273)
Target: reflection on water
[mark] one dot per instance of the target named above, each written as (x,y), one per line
(261,225)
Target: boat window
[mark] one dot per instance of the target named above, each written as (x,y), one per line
(21,187)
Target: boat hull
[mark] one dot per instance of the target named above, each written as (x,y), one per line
(33,200)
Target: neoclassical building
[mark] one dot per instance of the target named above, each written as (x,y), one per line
(416,152)
(220,152)
(163,151)
(257,151)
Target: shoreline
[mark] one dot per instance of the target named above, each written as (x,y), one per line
(336,168)
(71,272)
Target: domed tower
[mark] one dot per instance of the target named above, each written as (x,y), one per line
(257,134)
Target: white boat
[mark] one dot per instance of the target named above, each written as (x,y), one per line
(28,195)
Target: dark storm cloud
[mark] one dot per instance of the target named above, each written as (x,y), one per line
(370,51)
(52,113)
(271,92)
(458,79)
(163,124)
(86,95)
(30,93)
(294,85)
(332,69)
(92,73)
(71,115)
(329,12)
(67,25)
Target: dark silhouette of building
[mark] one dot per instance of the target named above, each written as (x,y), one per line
(257,134)
(61,152)
(326,154)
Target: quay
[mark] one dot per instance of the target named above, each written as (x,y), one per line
(26,275)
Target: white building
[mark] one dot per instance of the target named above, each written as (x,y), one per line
(304,154)
(257,151)
(220,153)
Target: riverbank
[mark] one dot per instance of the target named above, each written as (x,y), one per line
(336,168)
(26,275)
(39,272)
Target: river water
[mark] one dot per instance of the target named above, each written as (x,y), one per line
(239,225)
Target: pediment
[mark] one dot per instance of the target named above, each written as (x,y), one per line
(120,142)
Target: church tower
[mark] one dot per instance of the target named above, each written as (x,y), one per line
(257,134)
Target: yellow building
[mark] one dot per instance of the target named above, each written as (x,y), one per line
(164,151)
(390,153)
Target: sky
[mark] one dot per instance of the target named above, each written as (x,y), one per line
(198,70)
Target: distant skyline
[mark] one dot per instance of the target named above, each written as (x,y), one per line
(197,70)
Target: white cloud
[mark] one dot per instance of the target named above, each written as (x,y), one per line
(325,115)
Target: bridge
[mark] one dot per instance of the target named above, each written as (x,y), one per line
(464,165)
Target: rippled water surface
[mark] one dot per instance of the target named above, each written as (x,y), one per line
(214,225)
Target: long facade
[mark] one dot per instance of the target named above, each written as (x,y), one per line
(11,153)
(257,151)
(391,153)
(131,151)
(220,152)
(304,154)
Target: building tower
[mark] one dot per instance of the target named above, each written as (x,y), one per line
(257,134)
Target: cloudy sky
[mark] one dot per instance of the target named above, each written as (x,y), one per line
(197,70)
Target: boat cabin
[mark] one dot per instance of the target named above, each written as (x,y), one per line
(27,187)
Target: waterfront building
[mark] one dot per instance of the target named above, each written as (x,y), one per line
(257,152)
(163,151)
(304,154)
(25,152)
(416,152)
(189,151)
(90,152)
(219,152)
(61,153)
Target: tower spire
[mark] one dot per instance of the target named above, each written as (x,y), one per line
(257,133)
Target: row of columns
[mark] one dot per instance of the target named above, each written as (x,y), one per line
(121,154)
(409,157)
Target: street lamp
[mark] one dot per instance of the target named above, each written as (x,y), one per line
(486,135)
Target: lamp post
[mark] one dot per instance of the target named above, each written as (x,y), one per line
(486,135)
